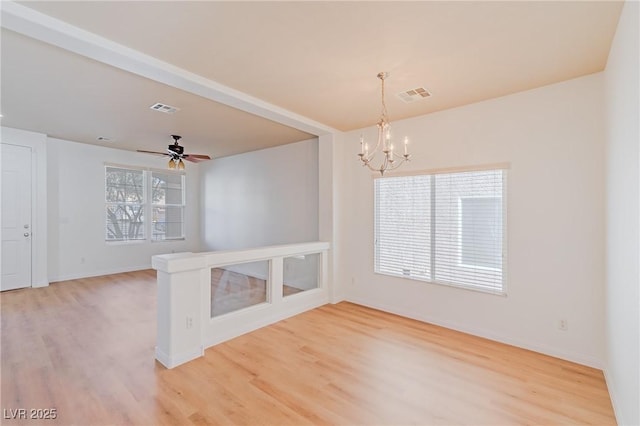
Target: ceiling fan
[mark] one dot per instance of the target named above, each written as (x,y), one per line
(176,152)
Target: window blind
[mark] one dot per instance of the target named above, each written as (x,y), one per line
(446,228)
(403,226)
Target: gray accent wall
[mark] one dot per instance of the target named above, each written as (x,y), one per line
(260,198)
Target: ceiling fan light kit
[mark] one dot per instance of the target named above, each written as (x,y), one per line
(176,164)
(176,153)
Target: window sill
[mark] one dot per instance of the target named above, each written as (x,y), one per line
(502,292)
(138,242)
(124,243)
(168,240)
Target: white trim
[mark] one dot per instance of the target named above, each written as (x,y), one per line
(505,231)
(613,396)
(231,268)
(38,144)
(264,253)
(487,290)
(125,242)
(98,273)
(145,168)
(444,170)
(171,362)
(170,240)
(31,23)
(328,195)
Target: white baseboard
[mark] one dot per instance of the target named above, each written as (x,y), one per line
(171,362)
(98,273)
(612,394)
(338,297)
(40,284)
(586,360)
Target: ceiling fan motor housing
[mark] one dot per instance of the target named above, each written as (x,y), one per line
(176,149)
(176,153)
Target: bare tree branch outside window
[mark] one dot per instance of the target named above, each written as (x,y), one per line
(132,193)
(125,204)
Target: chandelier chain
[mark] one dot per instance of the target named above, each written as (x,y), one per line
(384,114)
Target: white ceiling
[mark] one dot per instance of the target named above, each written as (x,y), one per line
(310,66)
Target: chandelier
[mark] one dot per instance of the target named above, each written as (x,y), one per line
(390,158)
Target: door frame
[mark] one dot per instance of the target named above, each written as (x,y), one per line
(38,144)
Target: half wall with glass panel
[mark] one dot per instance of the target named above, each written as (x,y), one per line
(239,286)
(301,273)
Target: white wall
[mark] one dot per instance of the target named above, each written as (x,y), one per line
(623,213)
(553,139)
(261,198)
(77,212)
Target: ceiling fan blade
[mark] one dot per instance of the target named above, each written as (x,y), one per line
(195,158)
(152,152)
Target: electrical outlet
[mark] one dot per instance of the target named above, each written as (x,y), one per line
(563,325)
(189,322)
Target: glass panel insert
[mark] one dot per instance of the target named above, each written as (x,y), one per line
(239,286)
(301,273)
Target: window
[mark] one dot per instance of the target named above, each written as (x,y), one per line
(133,195)
(445,228)
(168,206)
(125,204)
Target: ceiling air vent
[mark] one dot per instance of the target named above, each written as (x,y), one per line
(164,108)
(414,95)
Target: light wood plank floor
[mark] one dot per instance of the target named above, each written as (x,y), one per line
(85,347)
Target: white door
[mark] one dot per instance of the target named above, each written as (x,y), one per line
(16,217)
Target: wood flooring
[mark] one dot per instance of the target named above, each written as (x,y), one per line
(86,348)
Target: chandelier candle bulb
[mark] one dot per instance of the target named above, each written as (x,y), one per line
(406,142)
(361,144)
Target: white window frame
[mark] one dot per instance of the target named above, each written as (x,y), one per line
(468,266)
(141,204)
(502,291)
(153,205)
(147,177)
